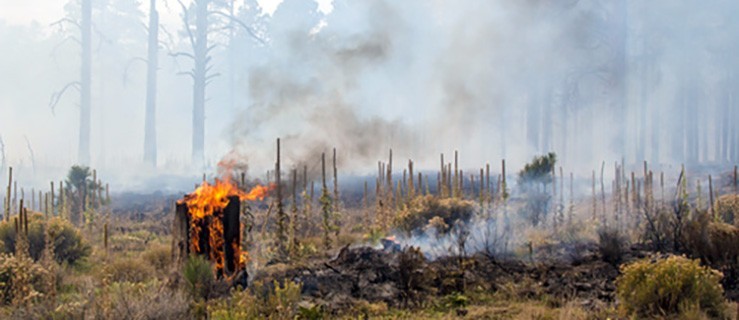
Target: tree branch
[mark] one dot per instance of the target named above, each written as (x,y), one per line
(61,21)
(56,96)
(241,23)
(177,54)
(186,21)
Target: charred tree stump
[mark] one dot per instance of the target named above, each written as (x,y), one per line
(183,243)
(232,234)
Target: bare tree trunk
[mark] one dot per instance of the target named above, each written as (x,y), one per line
(150,134)
(83,156)
(200,52)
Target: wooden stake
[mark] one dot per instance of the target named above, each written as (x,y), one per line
(457,185)
(411,189)
(710,194)
(52,198)
(7,195)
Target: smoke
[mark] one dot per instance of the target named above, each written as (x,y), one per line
(422,78)
(306,94)
(591,80)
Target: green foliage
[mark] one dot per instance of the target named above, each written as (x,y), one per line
(310,312)
(453,301)
(539,169)
(79,187)
(277,302)
(533,181)
(669,286)
(67,241)
(420,212)
(373,236)
(199,277)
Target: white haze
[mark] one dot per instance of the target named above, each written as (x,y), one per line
(421,77)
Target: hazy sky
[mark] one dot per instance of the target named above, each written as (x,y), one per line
(47,11)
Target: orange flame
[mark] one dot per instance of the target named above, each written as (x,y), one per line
(206,204)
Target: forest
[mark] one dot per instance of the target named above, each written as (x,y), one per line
(343,159)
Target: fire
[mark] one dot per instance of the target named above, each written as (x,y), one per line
(206,209)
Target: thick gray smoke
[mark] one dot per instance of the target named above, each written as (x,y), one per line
(592,80)
(492,79)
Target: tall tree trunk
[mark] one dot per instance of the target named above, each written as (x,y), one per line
(722,118)
(643,100)
(150,132)
(620,72)
(232,57)
(533,122)
(547,106)
(200,52)
(83,156)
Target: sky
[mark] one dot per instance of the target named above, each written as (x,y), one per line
(47,11)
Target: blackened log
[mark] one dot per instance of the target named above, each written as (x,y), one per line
(231,234)
(180,234)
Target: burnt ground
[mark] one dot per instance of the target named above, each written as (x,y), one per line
(405,278)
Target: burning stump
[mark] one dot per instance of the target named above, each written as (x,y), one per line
(215,236)
(207,223)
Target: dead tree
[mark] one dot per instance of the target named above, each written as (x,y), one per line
(201,72)
(84,85)
(152,61)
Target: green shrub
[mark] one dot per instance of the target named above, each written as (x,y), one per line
(453,301)
(262,302)
(68,244)
(669,286)
(421,210)
(200,279)
(534,181)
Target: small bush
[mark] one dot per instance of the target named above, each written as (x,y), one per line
(534,180)
(726,208)
(421,210)
(68,244)
(669,286)
(713,242)
(21,280)
(159,257)
(200,280)
(276,302)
